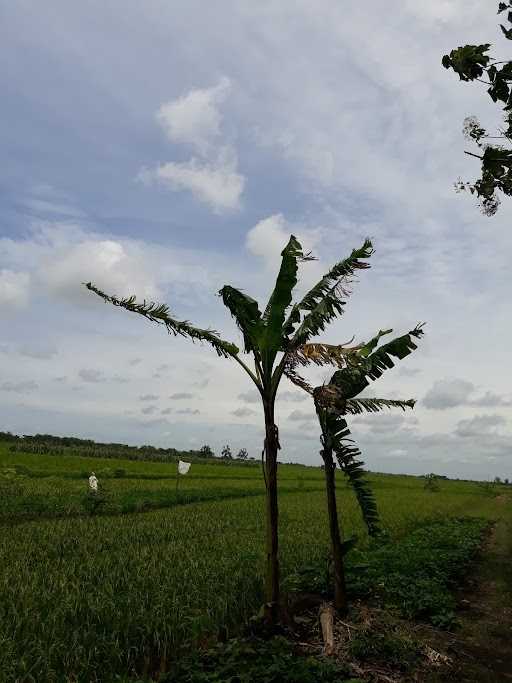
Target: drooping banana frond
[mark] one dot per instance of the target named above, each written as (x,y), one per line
(335,431)
(325,300)
(353,379)
(299,381)
(291,362)
(356,406)
(247,315)
(353,470)
(159,313)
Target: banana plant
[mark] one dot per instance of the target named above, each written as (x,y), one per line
(270,337)
(357,366)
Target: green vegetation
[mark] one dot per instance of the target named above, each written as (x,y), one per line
(257,661)
(99,596)
(36,486)
(415,575)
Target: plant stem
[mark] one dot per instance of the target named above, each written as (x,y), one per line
(340,590)
(272,570)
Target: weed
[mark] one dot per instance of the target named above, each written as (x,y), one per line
(257,661)
(392,648)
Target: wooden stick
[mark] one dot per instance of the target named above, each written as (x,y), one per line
(327,623)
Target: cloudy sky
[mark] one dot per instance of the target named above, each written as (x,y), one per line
(168,148)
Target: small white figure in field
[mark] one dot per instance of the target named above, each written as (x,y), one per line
(183,467)
(93,483)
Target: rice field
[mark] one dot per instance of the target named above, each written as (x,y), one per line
(118,594)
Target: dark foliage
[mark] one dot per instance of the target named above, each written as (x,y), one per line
(473,63)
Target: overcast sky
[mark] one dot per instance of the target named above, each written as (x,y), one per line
(168,148)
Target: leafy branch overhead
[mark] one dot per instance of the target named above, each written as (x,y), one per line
(473,63)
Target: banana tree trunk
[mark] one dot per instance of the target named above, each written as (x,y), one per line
(340,591)
(272,567)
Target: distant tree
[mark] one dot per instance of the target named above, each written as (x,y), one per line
(242,454)
(497,480)
(505,481)
(7,436)
(206,452)
(226,453)
(472,63)
(431,482)
(333,401)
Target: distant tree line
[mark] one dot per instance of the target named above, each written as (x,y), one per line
(48,444)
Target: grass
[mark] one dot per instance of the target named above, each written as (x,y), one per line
(37,486)
(95,597)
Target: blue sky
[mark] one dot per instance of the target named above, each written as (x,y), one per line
(166,149)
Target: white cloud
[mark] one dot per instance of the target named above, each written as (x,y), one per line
(409,372)
(480,425)
(217,184)
(118,268)
(491,400)
(14,289)
(269,236)
(251,396)
(301,416)
(397,453)
(381,422)
(91,375)
(38,352)
(440,11)
(21,387)
(292,396)
(59,257)
(453,393)
(243,412)
(195,118)
(448,393)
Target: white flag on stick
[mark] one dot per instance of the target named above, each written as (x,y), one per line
(183,467)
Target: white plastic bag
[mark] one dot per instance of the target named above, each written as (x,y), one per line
(183,467)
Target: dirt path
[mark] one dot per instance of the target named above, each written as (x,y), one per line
(481,650)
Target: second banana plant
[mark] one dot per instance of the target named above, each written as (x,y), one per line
(333,401)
